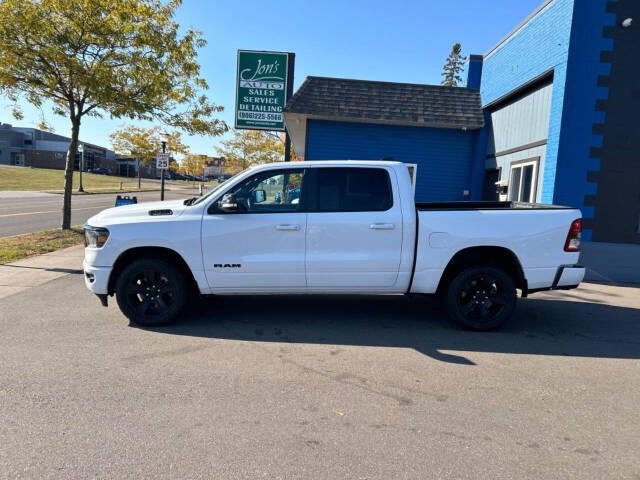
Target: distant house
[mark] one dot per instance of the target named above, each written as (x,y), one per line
(214,167)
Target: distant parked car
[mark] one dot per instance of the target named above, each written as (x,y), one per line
(100,171)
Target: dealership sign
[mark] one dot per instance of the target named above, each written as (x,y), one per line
(261,89)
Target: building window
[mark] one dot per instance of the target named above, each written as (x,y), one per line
(523,180)
(28,142)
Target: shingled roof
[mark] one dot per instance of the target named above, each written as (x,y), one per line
(387,102)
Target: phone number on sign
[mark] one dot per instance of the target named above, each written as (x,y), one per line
(273,117)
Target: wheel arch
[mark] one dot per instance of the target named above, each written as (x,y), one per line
(484,255)
(157,253)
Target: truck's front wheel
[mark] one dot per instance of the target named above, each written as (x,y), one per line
(151,292)
(481,298)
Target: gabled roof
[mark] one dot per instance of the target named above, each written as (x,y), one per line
(387,102)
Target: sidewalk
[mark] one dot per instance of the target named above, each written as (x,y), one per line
(32,272)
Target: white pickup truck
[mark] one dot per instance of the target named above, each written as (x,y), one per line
(330,227)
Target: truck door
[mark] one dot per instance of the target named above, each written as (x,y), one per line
(261,247)
(354,229)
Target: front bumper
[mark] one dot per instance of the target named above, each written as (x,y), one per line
(96,278)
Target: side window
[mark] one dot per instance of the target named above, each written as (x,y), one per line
(353,190)
(274,191)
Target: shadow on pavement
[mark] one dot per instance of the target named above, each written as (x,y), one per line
(74,271)
(540,326)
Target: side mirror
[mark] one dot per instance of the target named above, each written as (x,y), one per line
(259,196)
(228,203)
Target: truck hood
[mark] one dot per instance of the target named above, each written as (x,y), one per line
(145,211)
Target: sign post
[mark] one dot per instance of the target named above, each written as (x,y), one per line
(263,85)
(162,164)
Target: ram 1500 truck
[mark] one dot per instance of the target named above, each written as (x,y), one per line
(330,227)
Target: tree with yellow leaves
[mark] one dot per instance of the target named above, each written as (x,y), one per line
(122,58)
(144,144)
(251,147)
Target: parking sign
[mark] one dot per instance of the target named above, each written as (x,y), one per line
(162,161)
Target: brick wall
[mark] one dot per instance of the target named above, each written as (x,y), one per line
(44,159)
(444,156)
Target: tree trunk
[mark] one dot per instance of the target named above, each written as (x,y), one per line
(139,166)
(68,174)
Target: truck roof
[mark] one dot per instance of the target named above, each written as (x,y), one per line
(332,162)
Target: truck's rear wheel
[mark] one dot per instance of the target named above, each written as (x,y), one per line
(481,298)
(151,292)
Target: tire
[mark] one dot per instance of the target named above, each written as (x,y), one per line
(151,292)
(481,298)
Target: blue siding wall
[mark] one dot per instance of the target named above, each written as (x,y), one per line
(540,45)
(579,113)
(444,156)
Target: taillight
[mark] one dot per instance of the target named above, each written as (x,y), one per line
(574,236)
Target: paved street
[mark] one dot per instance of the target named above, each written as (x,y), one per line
(319,387)
(25,212)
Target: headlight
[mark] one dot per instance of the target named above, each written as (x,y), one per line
(95,237)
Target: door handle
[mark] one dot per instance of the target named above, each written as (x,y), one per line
(382,226)
(288,226)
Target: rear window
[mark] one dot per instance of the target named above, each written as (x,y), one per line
(353,190)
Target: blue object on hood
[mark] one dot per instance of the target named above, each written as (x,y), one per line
(125,200)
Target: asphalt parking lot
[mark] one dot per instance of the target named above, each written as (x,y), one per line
(319,387)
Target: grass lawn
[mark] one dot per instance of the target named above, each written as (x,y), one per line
(25,178)
(30,244)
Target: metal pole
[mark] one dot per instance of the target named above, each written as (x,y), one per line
(287,147)
(164,149)
(80,189)
(291,63)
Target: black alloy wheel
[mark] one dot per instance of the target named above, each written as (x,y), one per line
(481,298)
(151,292)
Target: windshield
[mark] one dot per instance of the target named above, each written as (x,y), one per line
(216,189)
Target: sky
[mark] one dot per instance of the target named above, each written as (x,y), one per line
(398,41)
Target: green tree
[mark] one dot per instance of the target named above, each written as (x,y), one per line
(453,66)
(193,164)
(144,144)
(123,58)
(251,147)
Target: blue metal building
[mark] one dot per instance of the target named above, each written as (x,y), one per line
(557,123)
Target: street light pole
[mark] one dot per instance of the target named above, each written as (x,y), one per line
(81,150)
(164,150)
(164,138)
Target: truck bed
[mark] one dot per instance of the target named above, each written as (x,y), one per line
(487,205)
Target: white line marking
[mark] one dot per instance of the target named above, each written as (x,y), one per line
(54,211)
